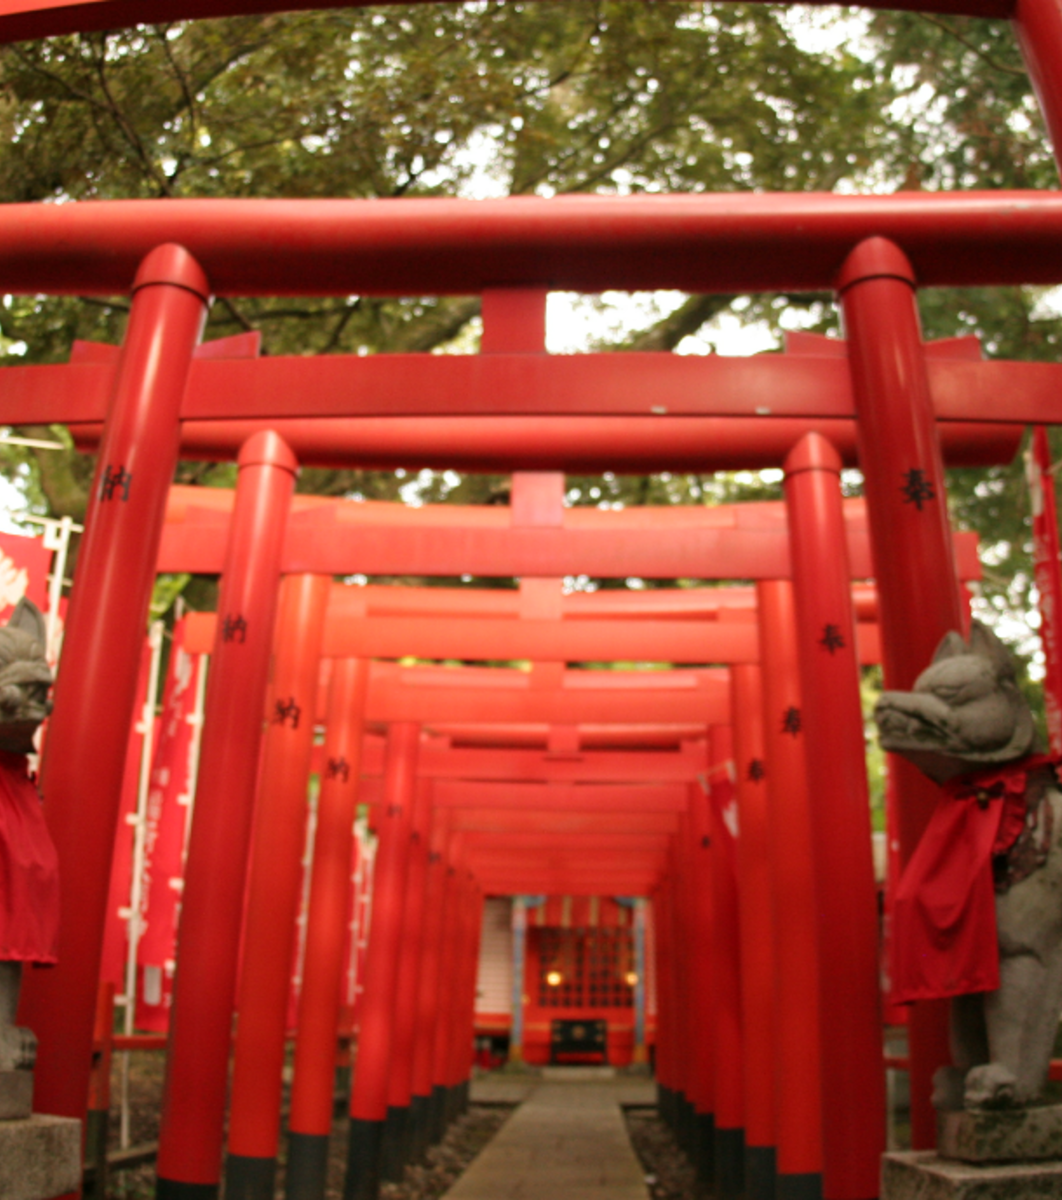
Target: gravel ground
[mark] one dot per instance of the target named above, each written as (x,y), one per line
(668,1174)
(446,1161)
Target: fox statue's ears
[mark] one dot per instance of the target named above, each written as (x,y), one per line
(983,643)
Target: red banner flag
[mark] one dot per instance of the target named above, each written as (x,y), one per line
(116,929)
(24,566)
(167,811)
(1048,575)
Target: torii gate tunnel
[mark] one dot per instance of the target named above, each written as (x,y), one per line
(802,1115)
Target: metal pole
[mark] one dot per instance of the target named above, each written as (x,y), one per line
(193,1112)
(84,759)
(273,890)
(914,560)
(516,1029)
(136,889)
(853,1077)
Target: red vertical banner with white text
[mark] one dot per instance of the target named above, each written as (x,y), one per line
(1048,575)
(116,930)
(168,806)
(24,563)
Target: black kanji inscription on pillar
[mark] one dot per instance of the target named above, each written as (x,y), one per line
(338,768)
(234,628)
(756,770)
(115,482)
(285,710)
(832,638)
(791,721)
(917,489)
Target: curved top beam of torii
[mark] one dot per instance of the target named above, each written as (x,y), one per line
(731,242)
(21,20)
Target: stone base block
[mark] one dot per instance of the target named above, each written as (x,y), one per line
(924,1175)
(40,1157)
(16,1094)
(1018,1135)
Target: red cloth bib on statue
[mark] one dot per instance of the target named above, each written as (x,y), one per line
(944,941)
(29,870)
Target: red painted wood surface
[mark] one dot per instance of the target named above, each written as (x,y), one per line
(731,242)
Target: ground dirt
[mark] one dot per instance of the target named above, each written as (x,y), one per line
(466,1137)
(668,1173)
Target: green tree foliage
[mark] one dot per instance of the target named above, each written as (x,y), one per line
(511,98)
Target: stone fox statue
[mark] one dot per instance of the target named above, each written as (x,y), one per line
(29,888)
(977,914)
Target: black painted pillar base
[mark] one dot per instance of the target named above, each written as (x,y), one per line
(248,1178)
(363,1160)
(807,1186)
(704,1162)
(465,1092)
(729,1163)
(392,1158)
(664,1106)
(688,1126)
(760,1172)
(452,1110)
(307,1173)
(437,1115)
(342,1091)
(173,1189)
(419,1131)
(95,1186)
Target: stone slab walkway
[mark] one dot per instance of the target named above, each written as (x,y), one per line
(566,1141)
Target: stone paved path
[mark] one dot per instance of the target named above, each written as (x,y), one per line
(566,1141)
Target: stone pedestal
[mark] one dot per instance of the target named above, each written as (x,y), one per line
(40,1157)
(924,1175)
(1019,1135)
(16,1094)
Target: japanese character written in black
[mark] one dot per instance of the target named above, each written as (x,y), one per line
(917,489)
(832,639)
(115,482)
(338,768)
(287,710)
(234,628)
(756,770)
(791,720)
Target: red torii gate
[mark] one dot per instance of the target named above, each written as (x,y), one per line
(727,243)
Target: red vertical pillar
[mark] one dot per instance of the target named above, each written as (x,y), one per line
(397,1136)
(798,1113)
(197,1064)
(914,559)
(701,1050)
(663,903)
(464,1024)
(368,1099)
(84,759)
(684,973)
(756,929)
(853,1075)
(273,891)
(680,999)
(313,1084)
(430,985)
(1038,25)
(448,951)
(729,1150)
